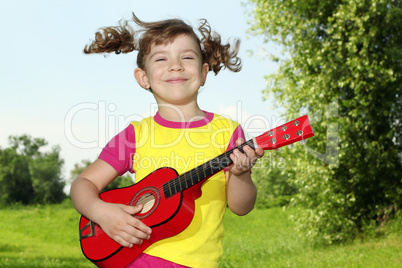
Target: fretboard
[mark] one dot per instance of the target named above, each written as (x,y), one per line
(202,172)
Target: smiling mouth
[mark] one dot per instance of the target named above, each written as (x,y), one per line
(176,80)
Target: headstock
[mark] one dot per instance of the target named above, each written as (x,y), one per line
(298,129)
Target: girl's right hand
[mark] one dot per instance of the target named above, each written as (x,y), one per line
(117,222)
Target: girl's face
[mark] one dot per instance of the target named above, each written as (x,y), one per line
(174,71)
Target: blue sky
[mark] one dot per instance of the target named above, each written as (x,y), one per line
(50,89)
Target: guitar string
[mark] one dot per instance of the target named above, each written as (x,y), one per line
(194,173)
(182,178)
(161,187)
(177,182)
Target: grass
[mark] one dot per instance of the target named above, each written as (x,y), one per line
(46,236)
(40,236)
(266,238)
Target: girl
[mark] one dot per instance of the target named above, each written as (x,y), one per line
(173,64)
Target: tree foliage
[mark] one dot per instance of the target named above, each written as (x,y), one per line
(270,176)
(28,175)
(119,182)
(341,64)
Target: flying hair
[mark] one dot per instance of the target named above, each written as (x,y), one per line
(124,39)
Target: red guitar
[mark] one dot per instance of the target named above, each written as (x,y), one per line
(168,198)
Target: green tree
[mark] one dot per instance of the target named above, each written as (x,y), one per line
(271,179)
(341,64)
(15,181)
(119,182)
(46,177)
(28,175)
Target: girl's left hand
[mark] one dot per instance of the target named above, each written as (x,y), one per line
(243,163)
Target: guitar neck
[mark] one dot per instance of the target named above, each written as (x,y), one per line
(296,130)
(200,173)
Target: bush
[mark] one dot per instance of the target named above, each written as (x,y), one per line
(341,65)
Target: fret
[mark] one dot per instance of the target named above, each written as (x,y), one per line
(172,187)
(211,167)
(183,183)
(185,180)
(215,165)
(191,177)
(198,175)
(212,164)
(167,189)
(251,144)
(203,170)
(206,169)
(174,184)
(177,184)
(225,159)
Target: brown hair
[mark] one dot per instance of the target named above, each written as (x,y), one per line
(124,39)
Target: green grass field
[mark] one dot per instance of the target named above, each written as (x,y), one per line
(46,236)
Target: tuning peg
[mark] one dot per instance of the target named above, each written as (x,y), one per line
(278,149)
(290,146)
(302,142)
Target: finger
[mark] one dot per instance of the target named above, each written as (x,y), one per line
(140,229)
(129,234)
(128,240)
(239,141)
(253,154)
(249,152)
(135,235)
(132,210)
(124,240)
(260,152)
(139,225)
(239,160)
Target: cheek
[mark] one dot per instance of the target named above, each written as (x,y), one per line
(197,70)
(155,74)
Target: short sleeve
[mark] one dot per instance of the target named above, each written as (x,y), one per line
(120,150)
(238,133)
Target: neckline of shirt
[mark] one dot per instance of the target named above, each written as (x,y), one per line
(193,124)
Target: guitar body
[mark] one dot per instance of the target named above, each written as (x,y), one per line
(166,216)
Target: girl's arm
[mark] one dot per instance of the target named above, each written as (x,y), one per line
(116,220)
(241,192)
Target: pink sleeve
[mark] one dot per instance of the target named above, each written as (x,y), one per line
(120,150)
(238,133)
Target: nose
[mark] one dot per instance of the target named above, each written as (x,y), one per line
(175,66)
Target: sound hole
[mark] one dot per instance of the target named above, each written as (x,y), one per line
(149,197)
(148,201)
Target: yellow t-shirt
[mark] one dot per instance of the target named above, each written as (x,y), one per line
(183,146)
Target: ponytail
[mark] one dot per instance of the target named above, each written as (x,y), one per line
(123,39)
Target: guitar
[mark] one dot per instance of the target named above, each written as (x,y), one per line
(168,198)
